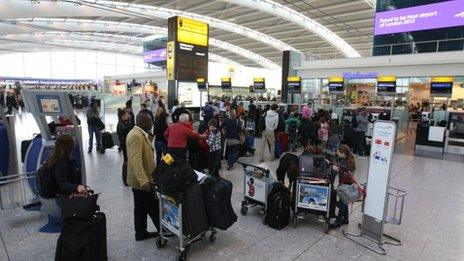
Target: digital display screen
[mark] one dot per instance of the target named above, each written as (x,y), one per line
(154,52)
(386,87)
(424,17)
(201,85)
(49,104)
(441,87)
(259,86)
(336,87)
(155,56)
(226,85)
(294,86)
(192,62)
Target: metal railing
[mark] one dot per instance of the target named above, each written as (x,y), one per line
(17,191)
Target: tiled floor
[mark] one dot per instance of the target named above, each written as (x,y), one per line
(432,228)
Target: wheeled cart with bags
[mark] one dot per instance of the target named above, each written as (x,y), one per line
(256,183)
(312,190)
(171,221)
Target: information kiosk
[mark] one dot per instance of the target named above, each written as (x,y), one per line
(46,106)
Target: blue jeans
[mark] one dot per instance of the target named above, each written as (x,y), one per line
(98,137)
(232,153)
(161,149)
(342,212)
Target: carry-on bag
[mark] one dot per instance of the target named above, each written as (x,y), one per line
(107,140)
(278,208)
(217,195)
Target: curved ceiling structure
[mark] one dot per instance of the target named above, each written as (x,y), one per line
(293,16)
(109,26)
(233,28)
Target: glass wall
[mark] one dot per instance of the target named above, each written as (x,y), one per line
(433,40)
(69,65)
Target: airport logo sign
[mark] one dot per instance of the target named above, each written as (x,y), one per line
(424,17)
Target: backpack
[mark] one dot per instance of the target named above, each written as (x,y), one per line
(46,182)
(174,179)
(354,121)
(217,193)
(209,112)
(292,127)
(278,208)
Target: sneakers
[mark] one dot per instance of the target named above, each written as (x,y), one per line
(146,236)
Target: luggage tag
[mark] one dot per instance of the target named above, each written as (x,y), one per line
(168,159)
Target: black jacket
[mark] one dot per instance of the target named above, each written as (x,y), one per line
(122,130)
(285,162)
(67,175)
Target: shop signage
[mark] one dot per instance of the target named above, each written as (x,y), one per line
(382,149)
(424,17)
(359,75)
(38,81)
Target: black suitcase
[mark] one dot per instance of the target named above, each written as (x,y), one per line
(278,208)
(83,240)
(107,140)
(217,195)
(194,216)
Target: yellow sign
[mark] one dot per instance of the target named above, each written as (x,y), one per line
(192,31)
(225,79)
(258,79)
(442,79)
(170,63)
(386,79)
(354,95)
(293,79)
(336,79)
(200,80)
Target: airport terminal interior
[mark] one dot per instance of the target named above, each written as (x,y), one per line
(231,130)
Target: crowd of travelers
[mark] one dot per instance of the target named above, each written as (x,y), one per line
(226,131)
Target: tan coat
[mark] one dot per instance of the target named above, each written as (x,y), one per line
(140,158)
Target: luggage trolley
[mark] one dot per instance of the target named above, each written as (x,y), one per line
(256,182)
(312,190)
(170,216)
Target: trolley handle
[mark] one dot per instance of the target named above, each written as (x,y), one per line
(244,165)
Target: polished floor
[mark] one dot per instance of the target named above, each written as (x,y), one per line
(432,227)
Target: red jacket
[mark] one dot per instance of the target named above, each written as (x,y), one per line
(178,133)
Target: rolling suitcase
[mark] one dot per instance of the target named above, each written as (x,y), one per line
(107,140)
(217,195)
(194,216)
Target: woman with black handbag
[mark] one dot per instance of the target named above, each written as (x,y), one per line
(232,128)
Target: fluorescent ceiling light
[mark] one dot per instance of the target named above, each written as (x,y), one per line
(258,59)
(298,18)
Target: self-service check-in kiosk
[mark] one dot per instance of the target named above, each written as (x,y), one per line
(45,106)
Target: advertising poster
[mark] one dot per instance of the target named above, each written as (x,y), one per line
(313,197)
(424,17)
(255,187)
(170,215)
(383,141)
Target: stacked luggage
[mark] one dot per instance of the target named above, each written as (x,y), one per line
(191,204)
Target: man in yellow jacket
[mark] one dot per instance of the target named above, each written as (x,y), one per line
(140,166)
